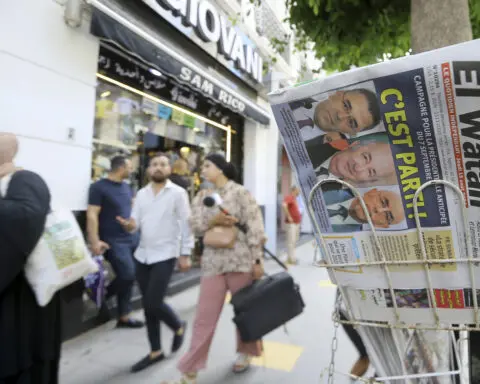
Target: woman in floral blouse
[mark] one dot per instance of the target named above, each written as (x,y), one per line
(224,269)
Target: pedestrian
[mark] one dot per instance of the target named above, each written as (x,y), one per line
(362,364)
(360,367)
(293,218)
(110,198)
(161,212)
(30,335)
(179,174)
(223,269)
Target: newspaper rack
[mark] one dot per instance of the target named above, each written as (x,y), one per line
(458,345)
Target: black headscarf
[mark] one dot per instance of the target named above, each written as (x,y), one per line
(221,163)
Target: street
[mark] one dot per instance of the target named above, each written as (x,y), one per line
(105,354)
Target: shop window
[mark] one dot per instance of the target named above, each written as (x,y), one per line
(127,123)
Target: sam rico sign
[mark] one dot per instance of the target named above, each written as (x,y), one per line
(212,27)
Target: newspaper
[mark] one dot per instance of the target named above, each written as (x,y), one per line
(405,353)
(387,129)
(428,352)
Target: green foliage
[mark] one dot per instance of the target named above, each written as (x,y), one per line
(475,17)
(356,32)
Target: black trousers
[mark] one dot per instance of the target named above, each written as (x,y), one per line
(153,280)
(354,337)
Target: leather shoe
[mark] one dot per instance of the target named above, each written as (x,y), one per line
(360,367)
(146,362)
(130,323)
(179,337)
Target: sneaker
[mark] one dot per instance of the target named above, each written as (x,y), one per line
(179,337)
(130,323)
(146,362)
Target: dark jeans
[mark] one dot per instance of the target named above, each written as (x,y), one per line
(120,256)
(354,337)
(153,280)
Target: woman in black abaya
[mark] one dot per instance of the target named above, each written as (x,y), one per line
(30,335)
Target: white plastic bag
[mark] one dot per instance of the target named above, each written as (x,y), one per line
(61,256)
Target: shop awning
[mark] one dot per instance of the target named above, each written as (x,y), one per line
(111,25)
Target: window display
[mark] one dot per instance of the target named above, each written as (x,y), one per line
(129,124)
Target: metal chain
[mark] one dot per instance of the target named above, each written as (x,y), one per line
(336,324)
(334,347)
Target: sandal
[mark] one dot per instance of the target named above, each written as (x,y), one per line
(185,379)
(242,363)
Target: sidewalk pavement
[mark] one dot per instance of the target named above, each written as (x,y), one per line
(282,240)
(105,354)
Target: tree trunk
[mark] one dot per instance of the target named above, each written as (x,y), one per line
(436,24)
(439,23)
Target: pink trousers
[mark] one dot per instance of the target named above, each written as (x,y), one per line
(213,290)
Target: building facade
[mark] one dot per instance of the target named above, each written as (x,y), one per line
(82,81)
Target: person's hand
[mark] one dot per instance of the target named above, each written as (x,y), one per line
(264,240)
(218,219)
(258,271)
(99,248)
(224,220)
(127,224)
(184,263)
(122,221)
(229,221)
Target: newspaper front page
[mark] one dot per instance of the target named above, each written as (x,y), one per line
(387,129)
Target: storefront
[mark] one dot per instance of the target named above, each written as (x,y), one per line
(146,113)
(149,101)
(124,77)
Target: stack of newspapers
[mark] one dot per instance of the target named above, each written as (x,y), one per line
(410,354)
(386,130)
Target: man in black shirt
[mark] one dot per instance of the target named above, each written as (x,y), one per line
(109,199)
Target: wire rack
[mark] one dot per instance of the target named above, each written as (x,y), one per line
(459,345)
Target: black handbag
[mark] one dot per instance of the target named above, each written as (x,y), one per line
(266,305)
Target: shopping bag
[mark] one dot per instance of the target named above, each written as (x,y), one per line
(61,256)
(96,283)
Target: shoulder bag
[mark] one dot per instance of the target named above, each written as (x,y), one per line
(221,237)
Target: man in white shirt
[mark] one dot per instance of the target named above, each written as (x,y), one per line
(160,212)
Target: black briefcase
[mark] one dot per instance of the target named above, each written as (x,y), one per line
(266,305)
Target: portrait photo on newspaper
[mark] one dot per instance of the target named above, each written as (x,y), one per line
(338,114)
(384,205)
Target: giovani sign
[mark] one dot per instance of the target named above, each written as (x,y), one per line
(212,27)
